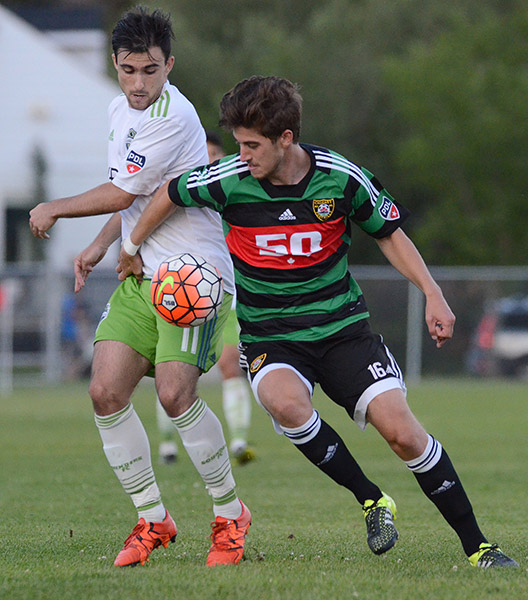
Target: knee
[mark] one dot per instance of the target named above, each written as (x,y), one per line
(407,443)
(175,400)
(289,411)
(105,399)
(285,397)
(392,417)
(284,412)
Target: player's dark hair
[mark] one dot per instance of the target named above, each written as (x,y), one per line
(214,138)
(269,104)
(140,30)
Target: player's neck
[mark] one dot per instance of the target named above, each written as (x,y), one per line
(294,166)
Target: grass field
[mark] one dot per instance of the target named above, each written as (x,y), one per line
(64,515)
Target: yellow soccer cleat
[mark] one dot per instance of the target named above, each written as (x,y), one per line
(379,517)
(490,556)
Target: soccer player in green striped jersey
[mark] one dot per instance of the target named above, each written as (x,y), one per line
(288,213)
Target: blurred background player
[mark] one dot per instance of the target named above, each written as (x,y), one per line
(215,146)
(236,400)
(76,338)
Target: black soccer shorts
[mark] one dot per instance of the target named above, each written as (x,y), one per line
(352,367)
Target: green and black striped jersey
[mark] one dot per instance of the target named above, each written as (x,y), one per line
(289,243)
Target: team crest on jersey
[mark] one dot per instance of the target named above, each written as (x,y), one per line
(323,209)
(131,135)
(135,162)
(388,210)
(257,363)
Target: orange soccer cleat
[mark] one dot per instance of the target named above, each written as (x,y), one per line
(228,538)
(144,538)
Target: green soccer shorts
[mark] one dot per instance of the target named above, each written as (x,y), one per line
(130,317)
(231,329)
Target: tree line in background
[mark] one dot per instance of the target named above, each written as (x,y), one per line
(430,96)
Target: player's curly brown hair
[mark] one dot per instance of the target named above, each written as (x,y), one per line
(269,104)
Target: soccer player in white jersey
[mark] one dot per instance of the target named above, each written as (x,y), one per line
(155,134)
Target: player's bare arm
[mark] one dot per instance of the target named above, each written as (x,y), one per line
(105,198)
(86,260)
(404,256)
(158,209)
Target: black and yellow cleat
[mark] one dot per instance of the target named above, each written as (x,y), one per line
(490,556)
(246,456)
(379,517)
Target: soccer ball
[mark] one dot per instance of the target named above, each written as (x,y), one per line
(186,290)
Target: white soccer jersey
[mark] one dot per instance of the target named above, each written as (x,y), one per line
(148,147)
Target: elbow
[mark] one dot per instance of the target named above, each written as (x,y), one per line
(117,199)
(123,202)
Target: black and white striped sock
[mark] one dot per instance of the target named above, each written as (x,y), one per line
(326,450)
(439,481)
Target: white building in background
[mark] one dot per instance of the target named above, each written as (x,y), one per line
(53,114)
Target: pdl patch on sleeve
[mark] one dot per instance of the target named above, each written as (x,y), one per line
(388,210)
(135,162)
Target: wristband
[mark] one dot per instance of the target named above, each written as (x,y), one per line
(129,247)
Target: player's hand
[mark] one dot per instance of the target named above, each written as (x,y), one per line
(84,263)
(40,220)
(129,265)
(439,318)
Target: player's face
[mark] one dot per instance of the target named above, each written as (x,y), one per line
(141,75)
(263,156)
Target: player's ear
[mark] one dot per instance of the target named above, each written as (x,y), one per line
(169,64)
(114,59)
(286,138)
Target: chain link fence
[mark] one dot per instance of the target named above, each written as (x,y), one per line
(46,330)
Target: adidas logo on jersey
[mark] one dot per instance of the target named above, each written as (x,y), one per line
(287,215)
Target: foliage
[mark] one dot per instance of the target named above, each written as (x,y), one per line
(426,95)
(463,95)
(429,96)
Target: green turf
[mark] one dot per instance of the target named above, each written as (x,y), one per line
(64,516)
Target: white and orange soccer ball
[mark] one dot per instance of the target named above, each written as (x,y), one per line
(186,290)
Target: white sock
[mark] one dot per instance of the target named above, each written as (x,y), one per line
(428,459)
(203,439)
(168,446)
(306,432)
(126,446)
(237,410)
(165,426)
